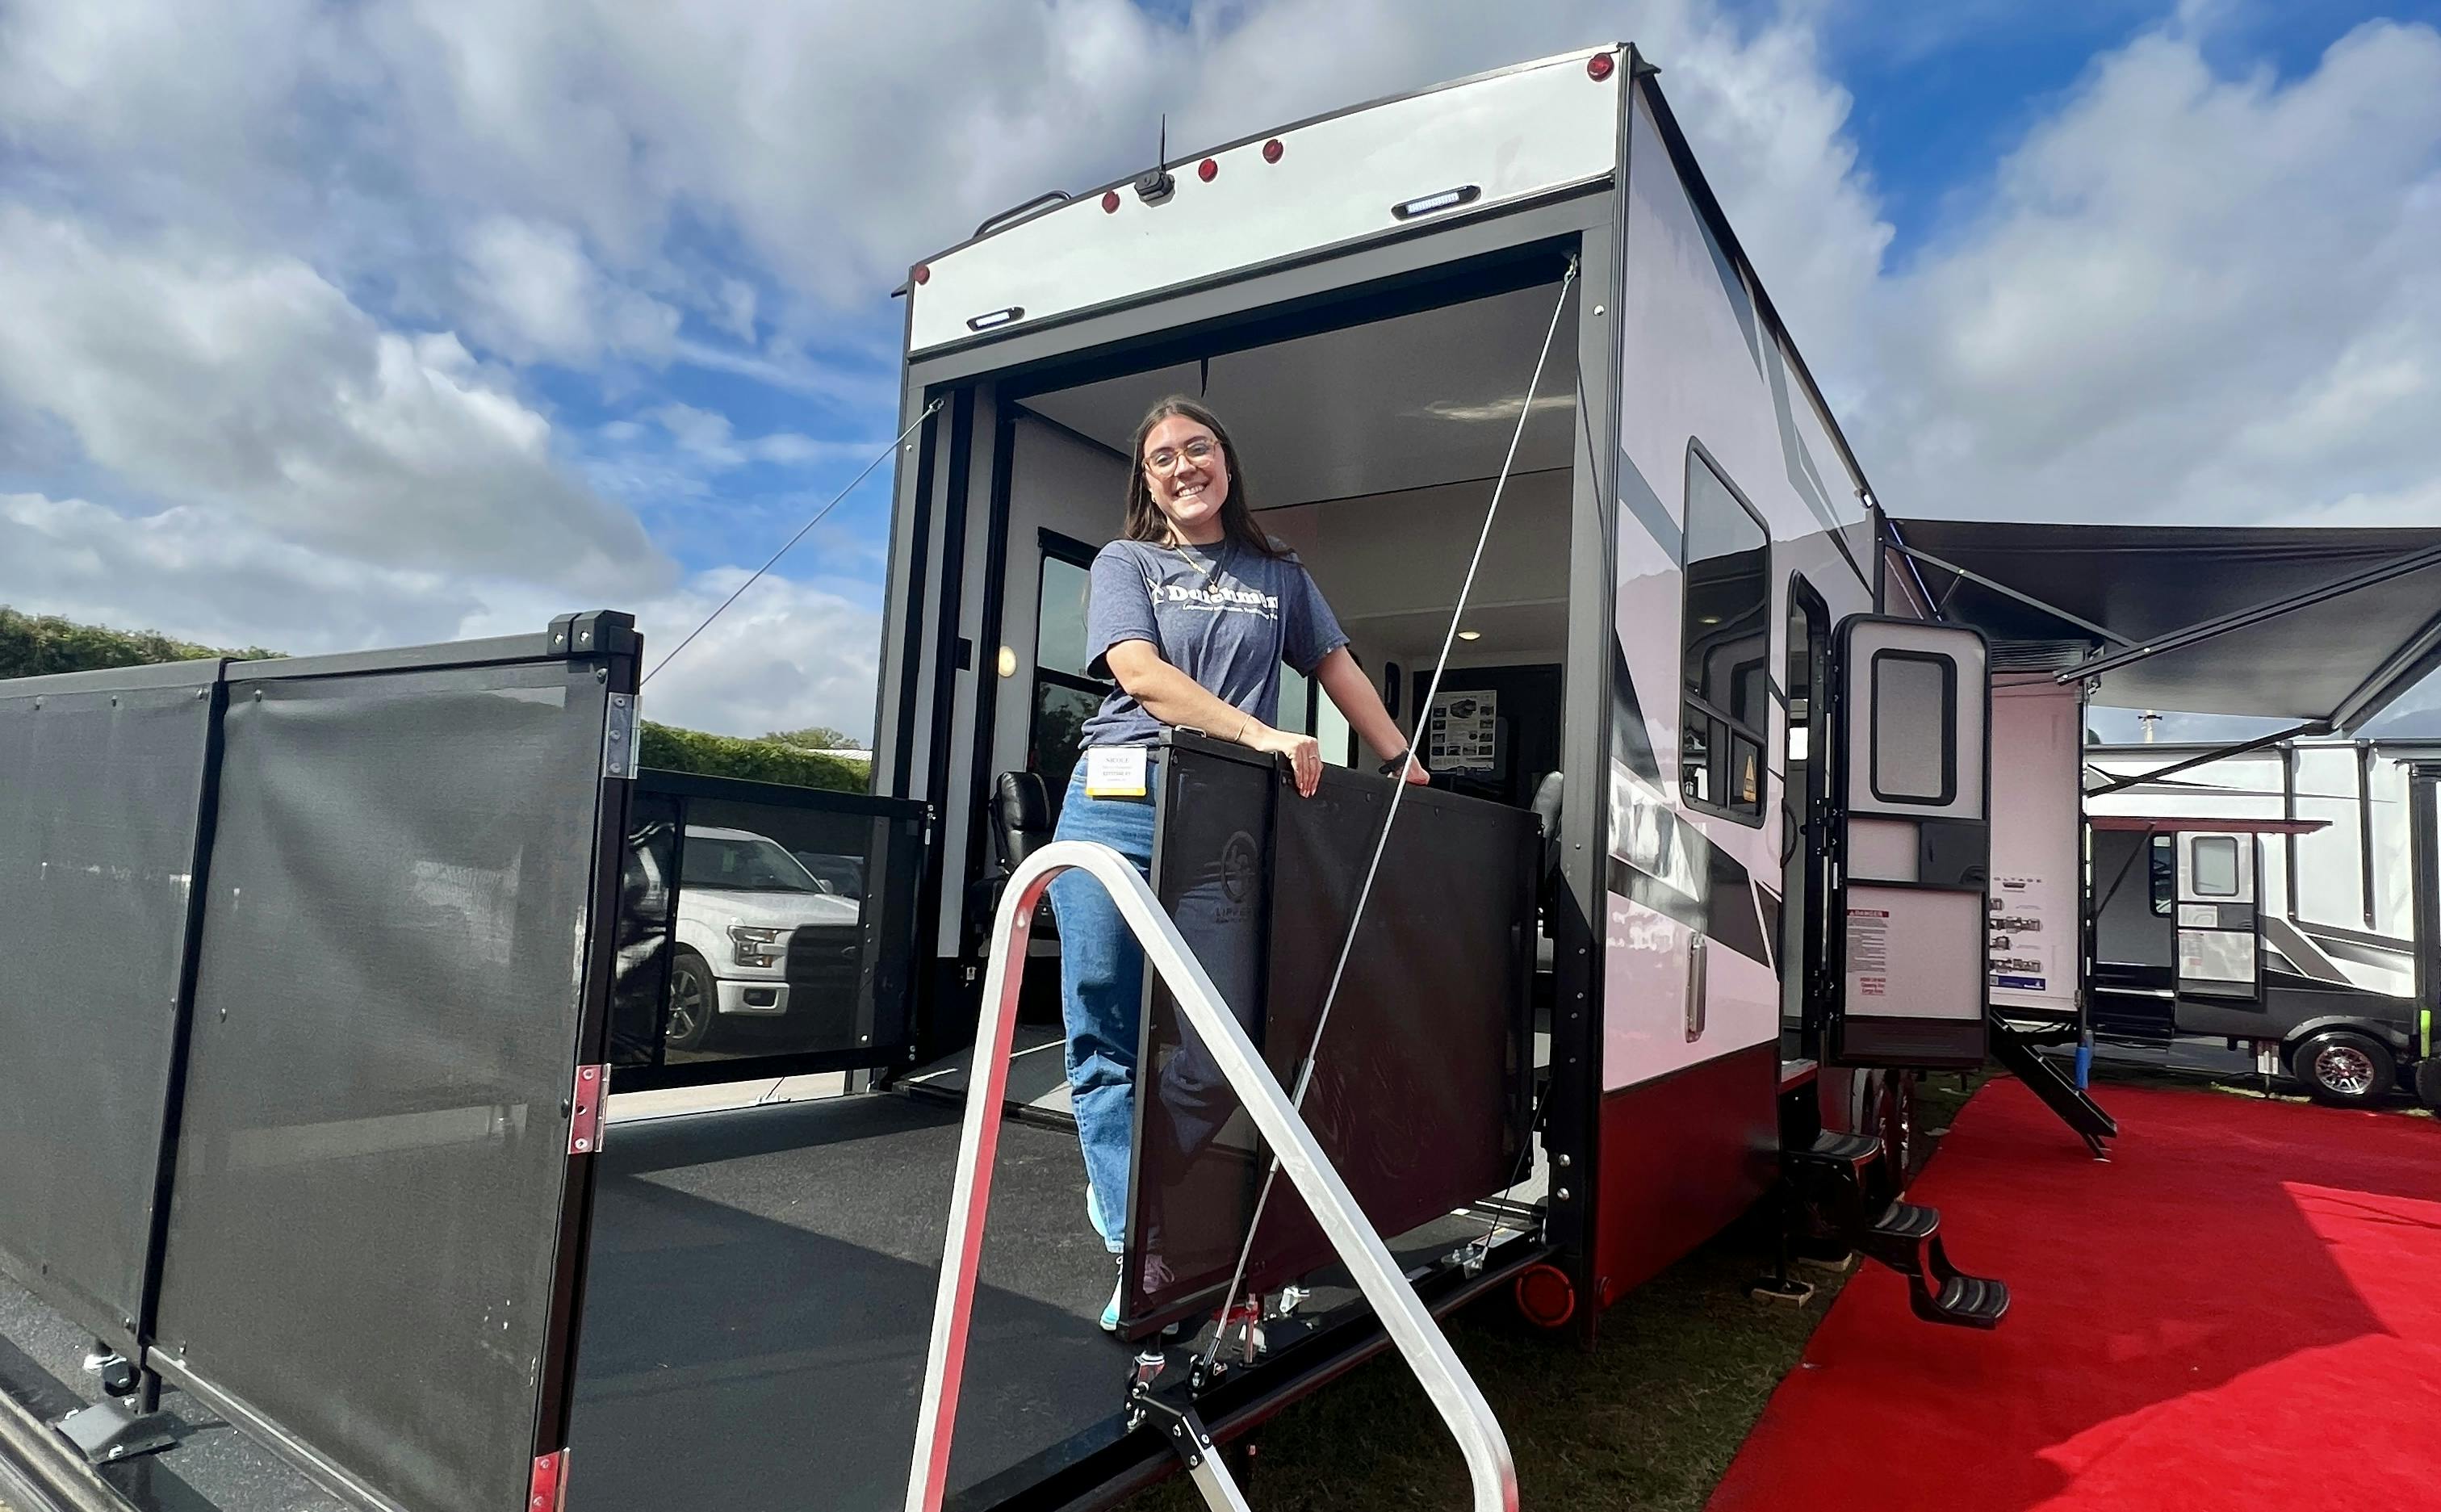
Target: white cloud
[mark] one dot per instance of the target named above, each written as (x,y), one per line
(534,294)
(788,655)
(255,387)
(2191,297)
(2188,294)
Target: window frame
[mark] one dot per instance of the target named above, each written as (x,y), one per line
(1054,546)
(1724,730)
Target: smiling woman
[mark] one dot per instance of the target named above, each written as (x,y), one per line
(1193,614)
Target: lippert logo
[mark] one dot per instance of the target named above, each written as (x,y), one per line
(1238,867)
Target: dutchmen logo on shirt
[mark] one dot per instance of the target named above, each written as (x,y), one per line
(1218,598)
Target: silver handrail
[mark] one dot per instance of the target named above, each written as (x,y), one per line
(1403,1313)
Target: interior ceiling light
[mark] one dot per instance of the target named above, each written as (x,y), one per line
(1470,635)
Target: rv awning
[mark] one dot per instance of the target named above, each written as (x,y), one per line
(2169,823)
(2321,625)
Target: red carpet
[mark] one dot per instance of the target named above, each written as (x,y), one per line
(2243,1309)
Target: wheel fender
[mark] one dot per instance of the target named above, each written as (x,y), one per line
(2389,1037)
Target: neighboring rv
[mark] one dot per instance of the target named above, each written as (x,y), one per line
(2271,899)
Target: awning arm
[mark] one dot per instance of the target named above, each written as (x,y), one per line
(2024,597)
(2096,667)
(2311,726)
(2410,665)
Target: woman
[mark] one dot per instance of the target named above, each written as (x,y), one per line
(1192,613)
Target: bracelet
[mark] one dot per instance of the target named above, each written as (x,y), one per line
(1395,765)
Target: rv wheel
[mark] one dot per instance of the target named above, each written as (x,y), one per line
(694,999)
(2343,1068)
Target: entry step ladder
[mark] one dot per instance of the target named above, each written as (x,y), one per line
(1490,1472)
(2085,1117)
(1842,1177)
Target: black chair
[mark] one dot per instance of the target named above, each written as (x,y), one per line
(1020,825)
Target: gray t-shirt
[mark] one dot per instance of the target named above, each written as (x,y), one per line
(1225,616)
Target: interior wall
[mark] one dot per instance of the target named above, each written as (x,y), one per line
(1391,565)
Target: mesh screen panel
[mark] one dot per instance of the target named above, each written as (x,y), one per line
(369,1180)
(99,796)
(1420,1095)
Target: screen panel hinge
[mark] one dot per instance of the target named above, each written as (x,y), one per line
(619,737)
(585,1105)
(548,1490)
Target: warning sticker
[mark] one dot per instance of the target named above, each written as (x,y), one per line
(1869,952)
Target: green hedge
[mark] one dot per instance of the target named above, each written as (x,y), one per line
(36,646)
(763,760)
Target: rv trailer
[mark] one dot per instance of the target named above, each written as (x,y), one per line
(2275,900)
(1698,886)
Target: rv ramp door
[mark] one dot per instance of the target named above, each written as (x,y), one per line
(1912,837)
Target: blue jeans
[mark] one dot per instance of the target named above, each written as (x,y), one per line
(1101,998)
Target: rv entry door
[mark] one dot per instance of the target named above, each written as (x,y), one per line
(2217,957)
(1912,838)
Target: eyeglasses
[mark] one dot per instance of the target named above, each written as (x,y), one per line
(1198,451)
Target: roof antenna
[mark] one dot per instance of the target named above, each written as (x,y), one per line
(1156,186)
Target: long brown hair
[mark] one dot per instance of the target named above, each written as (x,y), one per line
(1144,520)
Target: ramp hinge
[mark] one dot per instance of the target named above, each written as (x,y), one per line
(585,1109)
(619,737)
(548,1490)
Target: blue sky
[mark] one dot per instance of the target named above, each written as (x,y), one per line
(352,324)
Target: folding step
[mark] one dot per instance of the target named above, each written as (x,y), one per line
(2078,1111)
(1846,1155)
(1969,1301)
(1905,1236)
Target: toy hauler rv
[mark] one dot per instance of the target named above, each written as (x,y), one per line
(1757,896)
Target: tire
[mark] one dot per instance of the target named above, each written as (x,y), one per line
(1895,1127)
(2344,1069)
(695,1003)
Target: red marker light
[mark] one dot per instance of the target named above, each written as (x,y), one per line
(1272,151)
(923,273)
(1598,67)
(1111,202)
(1207,171)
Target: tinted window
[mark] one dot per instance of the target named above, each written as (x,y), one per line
(2163,864)
(1726,634)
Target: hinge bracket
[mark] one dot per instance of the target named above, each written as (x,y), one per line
(619,737)
(585,1109)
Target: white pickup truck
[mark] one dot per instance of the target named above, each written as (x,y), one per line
(764,936)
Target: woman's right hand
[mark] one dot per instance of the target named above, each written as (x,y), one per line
(1303,751)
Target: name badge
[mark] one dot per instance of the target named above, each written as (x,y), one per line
(1114,771)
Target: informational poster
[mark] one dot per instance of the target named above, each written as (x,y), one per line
(2021,944)
(1463,732)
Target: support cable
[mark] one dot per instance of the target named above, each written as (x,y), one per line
(1364,894)
(928,411)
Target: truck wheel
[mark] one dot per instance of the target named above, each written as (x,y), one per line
(694,1001)
(2343,1068)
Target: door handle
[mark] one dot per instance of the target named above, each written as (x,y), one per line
(1698,975)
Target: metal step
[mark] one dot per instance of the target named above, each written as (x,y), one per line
(1967,1302)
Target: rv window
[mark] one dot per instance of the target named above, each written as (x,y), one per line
(2164,863)
(1725,633)
(1915,728)
(1064,695)
(2216,858)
